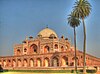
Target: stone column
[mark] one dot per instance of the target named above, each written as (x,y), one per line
(60,61)
(50,61)
(42,61)
(35,62)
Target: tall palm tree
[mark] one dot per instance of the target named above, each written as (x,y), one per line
(74,22)
(81,10)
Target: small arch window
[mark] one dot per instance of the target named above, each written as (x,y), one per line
(56,46)
(62,48)
(25,50)
(46,48)
(18,52)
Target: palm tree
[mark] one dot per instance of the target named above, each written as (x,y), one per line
(74,22)
(81,10)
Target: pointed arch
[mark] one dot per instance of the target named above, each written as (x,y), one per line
(31,62)
(14,63)
(56,47)
(9,63)
(62,48)
(64,61)
(55,62)
(34,48)
(46,62)
(25,63)
(25,51)
(18,52)
(19,63)
(39,62)
(46,49)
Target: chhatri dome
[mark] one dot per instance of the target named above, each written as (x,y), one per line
(47,32)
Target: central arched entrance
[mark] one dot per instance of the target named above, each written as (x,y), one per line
(55,62)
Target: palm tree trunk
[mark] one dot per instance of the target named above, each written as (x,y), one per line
(75,49)
(84,48)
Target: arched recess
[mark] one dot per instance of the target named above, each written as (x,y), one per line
(19,63)
(31,62)
(72,62)
(9,63)
(25,62)
(18,52)
(25,51)
(62,48)
(64,61)
(56,47)
(14,63)
(55,62)
(46,49)
(39,62)
(34,48)
(4,63)
(46,62)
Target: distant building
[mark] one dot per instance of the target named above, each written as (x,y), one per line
(46,51)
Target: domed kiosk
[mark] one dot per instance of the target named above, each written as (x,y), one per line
(47,33)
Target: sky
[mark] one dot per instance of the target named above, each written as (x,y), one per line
(23,18)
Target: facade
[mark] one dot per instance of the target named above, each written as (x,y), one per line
(46,51)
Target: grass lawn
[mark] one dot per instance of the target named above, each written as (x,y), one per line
(46,72)
(38,73)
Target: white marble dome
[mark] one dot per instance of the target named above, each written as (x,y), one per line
(47,32)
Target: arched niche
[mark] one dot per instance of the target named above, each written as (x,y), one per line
(56,47)
(64,61)
(31,62)
(62,48)
(34,48)
(55,62)
(8,63)
(19,63)
(25,62)
(25,51)
(14,62)
(46,49)
(39,62)
(46,62)
(18,52)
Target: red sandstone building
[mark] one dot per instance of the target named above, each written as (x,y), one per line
(46,51)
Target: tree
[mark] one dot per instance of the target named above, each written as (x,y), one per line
(74,22)
(81,10)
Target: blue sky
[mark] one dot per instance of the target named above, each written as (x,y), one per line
(23,18)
